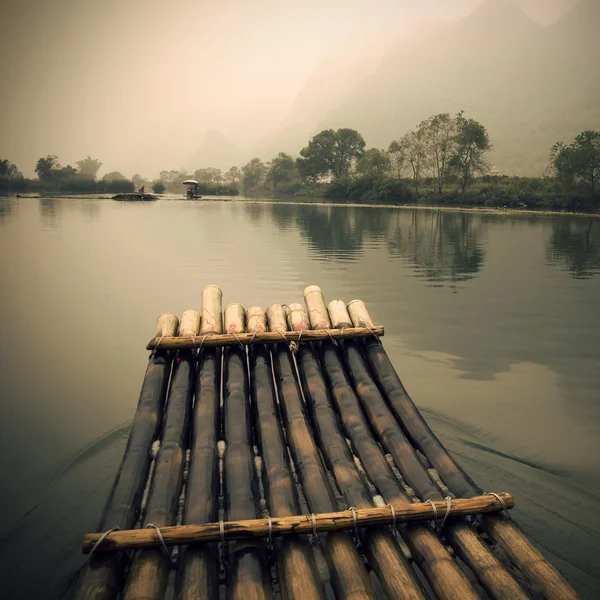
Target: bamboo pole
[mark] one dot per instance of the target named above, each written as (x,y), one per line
(442,572)
(486,567)
(197,575)
(250,576)
(295,525)
(296,567)
(318,399)
(349,577)
(102,577)
(212,316)
(148,575)
(394,573)
(515,544)
(273,337)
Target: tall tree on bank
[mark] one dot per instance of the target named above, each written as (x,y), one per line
(233,176)
(8,172)
(374,163)
(416,154)
(470,145)
(50,170)
(209,175)
(253,175)
(88,167)
(331,153)
(439,131)
(283,175)
(397,155)
(579,161)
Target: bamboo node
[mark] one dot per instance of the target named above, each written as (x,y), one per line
(162,541)
(505,512)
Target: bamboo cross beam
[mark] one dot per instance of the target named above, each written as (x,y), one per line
(301,524)
(264,337)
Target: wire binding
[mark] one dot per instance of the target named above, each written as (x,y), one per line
(162,541)
(502,504)
(89,556)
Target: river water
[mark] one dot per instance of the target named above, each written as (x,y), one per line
(492,321)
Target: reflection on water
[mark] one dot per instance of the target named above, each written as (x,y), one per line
(506,371)
(575,242)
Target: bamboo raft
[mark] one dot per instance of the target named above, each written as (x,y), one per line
(277,454)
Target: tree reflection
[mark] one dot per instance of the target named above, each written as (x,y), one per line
(575,243)
(442,246)
(6,208)
(50,210)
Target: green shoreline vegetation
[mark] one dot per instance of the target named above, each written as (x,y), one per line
(442,163)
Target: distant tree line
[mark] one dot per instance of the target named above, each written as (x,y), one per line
(443,161)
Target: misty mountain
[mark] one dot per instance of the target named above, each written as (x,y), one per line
(531,86)
(217,151)
(547,12)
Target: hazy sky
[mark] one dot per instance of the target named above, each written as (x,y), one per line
(137,83)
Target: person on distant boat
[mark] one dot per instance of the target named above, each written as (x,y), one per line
(141,190)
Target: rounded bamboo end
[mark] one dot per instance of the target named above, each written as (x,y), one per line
(166,325)
(359,314)
(235,318)
(315,306)
(212,317)
(256,320)
(339,314)
(297,318)
(311,289)
(276,318)
(190,323)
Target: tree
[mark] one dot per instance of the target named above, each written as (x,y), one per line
(8,171)
(209,175)
(579,161)
(440,132)
(414,142)
(331,153)
(114,176)
(283,175)
(253,175)
(470,145)
(88,167)
(158,187)
(50,170)
(233,176)
(374,163)
(138,181)
(47,167)
(397,153)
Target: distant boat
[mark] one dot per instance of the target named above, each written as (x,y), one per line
(135,196)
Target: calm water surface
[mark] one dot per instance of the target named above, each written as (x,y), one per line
(493,322)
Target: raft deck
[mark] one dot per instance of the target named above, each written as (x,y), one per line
(276,454)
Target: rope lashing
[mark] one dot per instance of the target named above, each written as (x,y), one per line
(355,522)
(435,513)
(295,345)
(238,340)
(502,504)
(270,540)
(162,541)
(89,556)
(331,337)
(202,344)
(158,344)
(391,507)
(448,509)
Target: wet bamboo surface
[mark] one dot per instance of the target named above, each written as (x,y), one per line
(304,427)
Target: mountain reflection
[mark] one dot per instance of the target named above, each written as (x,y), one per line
(441,246)
(575,243)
